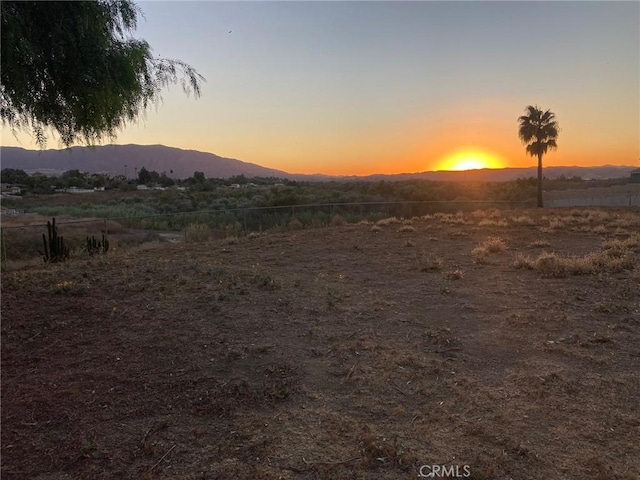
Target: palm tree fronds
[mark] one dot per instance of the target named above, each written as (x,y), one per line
(538,130)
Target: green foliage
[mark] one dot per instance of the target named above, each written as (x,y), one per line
(97,247)
(54,247)
(14,176)
(74,67)
(144,176)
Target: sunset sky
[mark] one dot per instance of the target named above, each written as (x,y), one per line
(390,87)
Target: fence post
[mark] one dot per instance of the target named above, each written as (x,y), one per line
(3,253)
(184,226)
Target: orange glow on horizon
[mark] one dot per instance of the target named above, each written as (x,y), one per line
(470,159)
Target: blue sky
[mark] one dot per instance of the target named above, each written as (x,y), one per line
(364,87)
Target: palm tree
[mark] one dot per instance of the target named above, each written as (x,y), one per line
(539,132)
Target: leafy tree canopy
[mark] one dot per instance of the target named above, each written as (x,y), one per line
(144,176)
(75,68)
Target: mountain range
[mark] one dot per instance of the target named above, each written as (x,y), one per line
(128,159)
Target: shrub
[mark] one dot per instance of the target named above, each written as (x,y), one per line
(388,221)
(196,232)
(522,220)
(550,265)
(337,220)
(493,223)
(553,265)
(539,244)
(523,262)
(495,244)
(430,262)
(480,254)
(456,274)
(295,224)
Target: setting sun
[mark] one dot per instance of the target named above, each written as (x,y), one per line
(470,160)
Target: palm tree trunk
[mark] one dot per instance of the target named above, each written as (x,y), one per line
(540,203)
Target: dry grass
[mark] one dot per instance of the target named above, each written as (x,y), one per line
(557,223)
(237,360)
(22,236)
(338,221)
(480,255)
(452,219)
(620,247)
(430,262)
(197,232)
(493,223)
(495,244)
(625,221)
(523,220)
(295,224)
(455,274)
(554,265)
(481,252)
(539,244)
(407,228)
(388,221)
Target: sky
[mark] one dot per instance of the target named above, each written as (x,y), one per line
(356,88)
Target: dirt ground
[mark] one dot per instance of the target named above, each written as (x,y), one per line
(348,352)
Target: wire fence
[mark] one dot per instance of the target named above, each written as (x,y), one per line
(24,241)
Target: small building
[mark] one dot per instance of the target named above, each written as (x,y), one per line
(79,190)
(635,176)
(8,189)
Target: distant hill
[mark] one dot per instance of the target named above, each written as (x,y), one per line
(507,174)
(111,159)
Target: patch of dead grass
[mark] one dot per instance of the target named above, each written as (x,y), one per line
(554,265)
(493,223)
(388,221)
(523,220)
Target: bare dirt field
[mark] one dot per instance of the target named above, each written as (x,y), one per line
(348,352)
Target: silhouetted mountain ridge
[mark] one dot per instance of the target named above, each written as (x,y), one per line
(111,159)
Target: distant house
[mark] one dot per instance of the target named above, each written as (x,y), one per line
(635,175)
(8,189)
(79,190)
